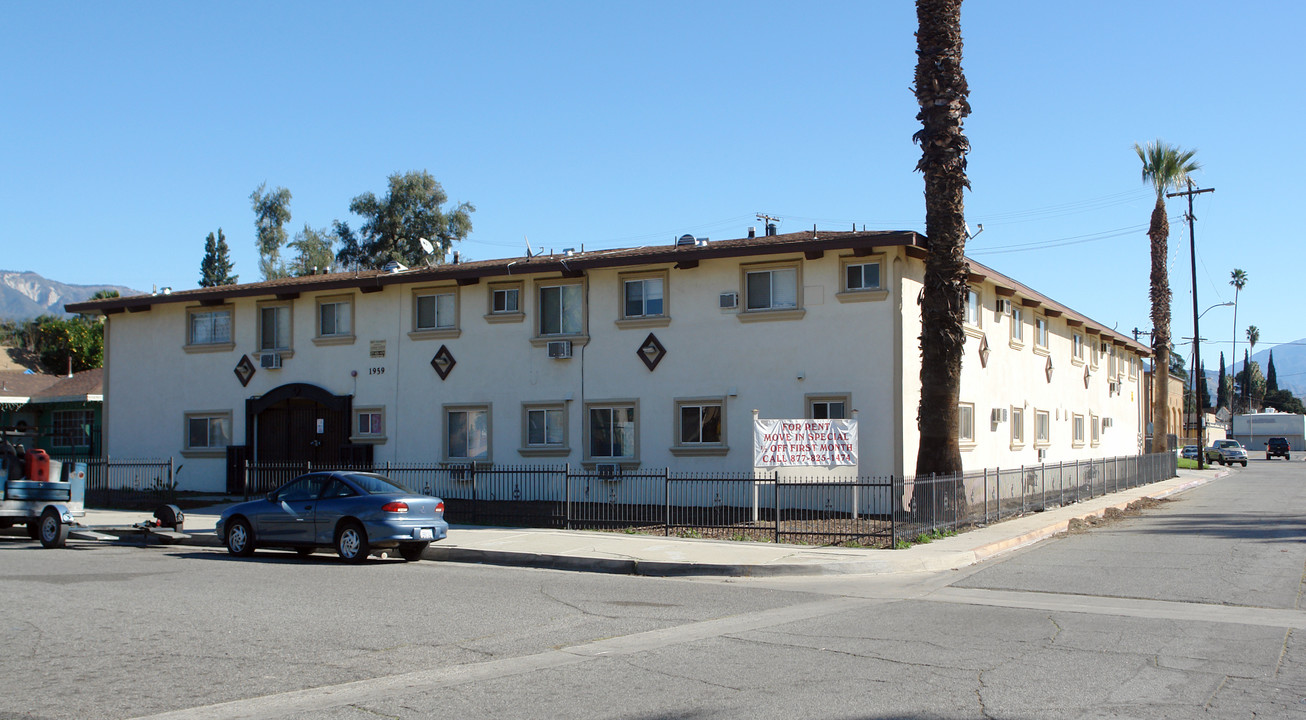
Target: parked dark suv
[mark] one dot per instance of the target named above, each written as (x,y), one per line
(1277,446)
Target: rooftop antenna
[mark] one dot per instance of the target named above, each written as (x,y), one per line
(529,254)
(427,248)
(972,236)
(769,222)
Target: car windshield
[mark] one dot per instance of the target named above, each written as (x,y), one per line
(1227,444)
(376,484)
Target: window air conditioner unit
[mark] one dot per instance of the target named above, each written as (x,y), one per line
(607,471)
(1042,455)
(1106,423)
(729,300)
(270,361)
(1004,306)
(560,349)
(998,415)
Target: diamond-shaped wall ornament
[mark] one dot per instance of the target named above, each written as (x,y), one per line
(1087,375)
(1048,369)
(651,352)
(244,370)
(443,362)
(984,351)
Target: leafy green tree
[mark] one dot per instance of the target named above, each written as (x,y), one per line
(77,340)
(1165,167)
(394,225)
(1284,401)
(315,251)
(271,213)
(216,267)
(943,97)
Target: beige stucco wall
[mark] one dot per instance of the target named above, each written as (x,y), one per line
(863,346)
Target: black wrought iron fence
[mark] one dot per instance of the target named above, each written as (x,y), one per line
(760,506)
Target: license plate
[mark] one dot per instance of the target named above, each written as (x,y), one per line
(425,534)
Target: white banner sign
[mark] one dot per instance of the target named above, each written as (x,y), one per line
(784,443)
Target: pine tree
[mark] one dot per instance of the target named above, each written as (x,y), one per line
(1203,393)
(1222,388)
(216,267)
(1271,377)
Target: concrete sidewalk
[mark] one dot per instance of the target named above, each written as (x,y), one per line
(663,556)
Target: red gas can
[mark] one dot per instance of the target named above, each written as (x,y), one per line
(38,465)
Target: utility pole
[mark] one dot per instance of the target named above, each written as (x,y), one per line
(1197,335)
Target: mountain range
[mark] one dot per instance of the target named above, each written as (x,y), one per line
(27,295)
(1289,366)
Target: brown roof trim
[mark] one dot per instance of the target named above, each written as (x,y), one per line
(1030,302)
(1074,322)
(1093,330)
(1004,291)
(572,265)
(1053,313)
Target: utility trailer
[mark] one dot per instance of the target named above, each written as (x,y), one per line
(49,497)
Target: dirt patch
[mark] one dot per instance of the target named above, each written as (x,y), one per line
(19,359)
(1112,515)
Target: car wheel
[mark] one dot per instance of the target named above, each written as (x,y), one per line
(412,551)
(351,543)
(54,533)
(1244,463)
(304,551)
(240,540)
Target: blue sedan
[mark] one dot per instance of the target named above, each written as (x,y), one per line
(354,512)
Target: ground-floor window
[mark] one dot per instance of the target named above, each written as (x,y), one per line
(208,430)
(467,433)
(72,428)
(612,432)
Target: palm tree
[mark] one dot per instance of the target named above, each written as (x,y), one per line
(941,91)
(1166,167)
(1253,337)
(1238,279)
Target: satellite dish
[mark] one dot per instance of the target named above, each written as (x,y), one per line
(426,248)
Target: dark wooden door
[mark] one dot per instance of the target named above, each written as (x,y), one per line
(299,430)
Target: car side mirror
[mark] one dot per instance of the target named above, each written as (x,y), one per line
(272,496)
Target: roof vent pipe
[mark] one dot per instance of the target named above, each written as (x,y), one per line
(455,257)
(770,229)
(752,232)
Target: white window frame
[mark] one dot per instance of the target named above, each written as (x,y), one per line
(286,345)
(210,449)
(578,335)
(966,425)
(210,345)
(376,430)
(609,406)
(646,319)
(560,413)
(340,336)
(1017,422)
(771,311)
(1077,430)
(1077,348)
(826,399)
(1042,428)
(1095,428)
(703,407)
(1041,331)
(469,411)
(974,311)
(1017,325)
(447,324)
(506,314)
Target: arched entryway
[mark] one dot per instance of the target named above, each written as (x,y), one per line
(298,423)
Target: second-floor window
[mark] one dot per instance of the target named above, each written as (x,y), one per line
(210,327)
(772,289)
(643,298)
(274,327)
(561,309)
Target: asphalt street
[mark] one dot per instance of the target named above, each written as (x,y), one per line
(1192,609)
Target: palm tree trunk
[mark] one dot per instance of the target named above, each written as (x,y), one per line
(941,91)
(1159,233)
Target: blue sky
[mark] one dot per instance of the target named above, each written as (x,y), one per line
(129,131)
